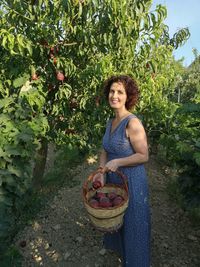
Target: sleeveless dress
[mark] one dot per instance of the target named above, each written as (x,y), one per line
(132,241)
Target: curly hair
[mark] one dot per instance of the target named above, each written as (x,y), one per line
(130,86)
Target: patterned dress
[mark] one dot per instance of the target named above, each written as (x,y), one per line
(132,241)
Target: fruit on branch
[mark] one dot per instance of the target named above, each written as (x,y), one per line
(52,50)
(34,77)
(60,76)
(54,60)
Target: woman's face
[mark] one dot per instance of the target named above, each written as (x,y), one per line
(117,96)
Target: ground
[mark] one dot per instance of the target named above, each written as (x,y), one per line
(62,236)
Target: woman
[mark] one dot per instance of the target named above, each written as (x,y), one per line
(125,148)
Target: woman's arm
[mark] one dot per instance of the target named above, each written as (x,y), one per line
(136,133)
(102,158)
(102,162)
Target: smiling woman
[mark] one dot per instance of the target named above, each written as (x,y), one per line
(125,148)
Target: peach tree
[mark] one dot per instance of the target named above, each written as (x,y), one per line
(55,56)
(180,145)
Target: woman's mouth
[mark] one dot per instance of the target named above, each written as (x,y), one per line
(114,101)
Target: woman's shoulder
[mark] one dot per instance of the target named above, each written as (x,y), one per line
(134,122)
(133,118)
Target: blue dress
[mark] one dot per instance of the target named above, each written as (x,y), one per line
(132,241)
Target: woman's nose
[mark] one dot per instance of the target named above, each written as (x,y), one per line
(114,94)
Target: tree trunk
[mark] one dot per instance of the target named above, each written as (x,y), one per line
(40,163)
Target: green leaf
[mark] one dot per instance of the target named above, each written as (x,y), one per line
(12,151)
(18,82)
(25,137)
(14,170)
(29,48)
(2,153)
(197,158)
(5,199)
(4,42)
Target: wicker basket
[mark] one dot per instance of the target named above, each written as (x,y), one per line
(106,219)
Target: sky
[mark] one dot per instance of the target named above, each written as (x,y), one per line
(181,14)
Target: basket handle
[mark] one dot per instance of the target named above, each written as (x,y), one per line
(118,172)
(89,179)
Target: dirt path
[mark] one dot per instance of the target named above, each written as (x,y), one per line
(62,236)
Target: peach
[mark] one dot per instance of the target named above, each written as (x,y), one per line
(100,195)
(60,76)
(104,202)
(117,201)
(111,195)
(93,203)
(96,184)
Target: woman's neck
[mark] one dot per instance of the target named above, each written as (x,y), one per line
(121,114)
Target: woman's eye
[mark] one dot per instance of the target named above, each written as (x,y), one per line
(118,92)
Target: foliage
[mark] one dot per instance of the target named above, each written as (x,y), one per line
(188,85)
(182,146)
(180,142)
(19,138)
(88,41)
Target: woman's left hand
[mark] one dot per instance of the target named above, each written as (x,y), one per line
(111,165)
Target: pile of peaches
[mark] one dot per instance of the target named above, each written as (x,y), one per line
(104,200)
